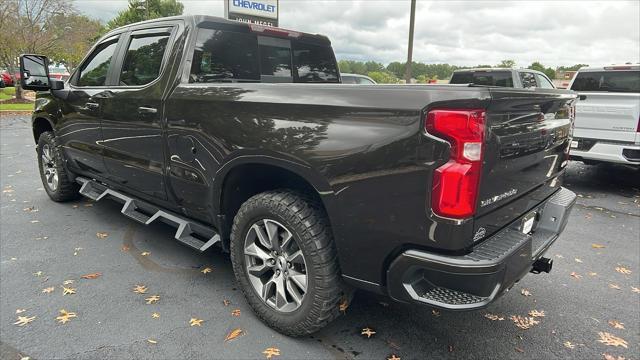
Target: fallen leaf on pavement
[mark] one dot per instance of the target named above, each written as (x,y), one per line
(494,317)
(235,312)
(616,324)
(612,340)
(48,290)
(20,311)
(101,235)
(233,334)
(38,273)
(623,270)
(597,246)
(195,322)
(393,357)
(576,275)
(140,289)
(612,357)
(344,304)
(615,286)
(91,276)
(155,315)
(145,253)
(559,256)
(368,332)
(23,320)
(520,350)
(524,322)
(67,282)
(435,312)
(68,291)
(76,251)
(151,341)
(226,302)
(65,316)
(525,292)
(592,273)
(578,260)
(569,345)
(271,352)
(152,299)
(635,290)
(536,313)
(124,248)
(206,270)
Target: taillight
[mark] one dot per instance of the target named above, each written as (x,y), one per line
(638,128)
(455,184)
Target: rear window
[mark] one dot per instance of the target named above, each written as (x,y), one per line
(227,56)
(314,63)
(488,78)
(607,81)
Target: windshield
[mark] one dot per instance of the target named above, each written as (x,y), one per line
(607,81)
(488,78)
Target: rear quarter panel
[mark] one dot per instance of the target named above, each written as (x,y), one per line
(363,149)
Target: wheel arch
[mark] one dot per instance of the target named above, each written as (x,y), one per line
(40,124)
(248,175)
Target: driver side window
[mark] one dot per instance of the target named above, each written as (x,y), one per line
(94,71)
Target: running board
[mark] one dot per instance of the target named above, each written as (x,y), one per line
(190,233)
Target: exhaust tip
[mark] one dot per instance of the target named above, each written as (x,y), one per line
(542,265)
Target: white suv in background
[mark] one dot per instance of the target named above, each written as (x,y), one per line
(607,125)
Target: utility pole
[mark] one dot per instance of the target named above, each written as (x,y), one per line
(412,21)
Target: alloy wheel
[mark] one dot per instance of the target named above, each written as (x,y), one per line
(275,265)
(49,169)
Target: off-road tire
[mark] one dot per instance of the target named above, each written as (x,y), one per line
(67,190)
(310,228)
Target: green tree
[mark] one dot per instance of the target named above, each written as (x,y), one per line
(383,77)
(551,73)
(575,67)
(76,34)
(508,63)
(140,10)
(344,66)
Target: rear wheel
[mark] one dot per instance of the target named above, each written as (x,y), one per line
(285,262)
(52,171)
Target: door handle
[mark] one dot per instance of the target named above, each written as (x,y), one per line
(147,110)
(92,106)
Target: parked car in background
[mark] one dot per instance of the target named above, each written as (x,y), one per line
(607,126)
(515,78)
(6,78)
(356,79)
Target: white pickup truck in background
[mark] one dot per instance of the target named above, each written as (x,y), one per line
(607,124)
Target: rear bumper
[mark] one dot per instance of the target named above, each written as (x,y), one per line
(623,153)
(474,280)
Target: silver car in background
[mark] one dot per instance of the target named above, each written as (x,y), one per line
(607,125)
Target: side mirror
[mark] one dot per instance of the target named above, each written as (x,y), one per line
(34,72)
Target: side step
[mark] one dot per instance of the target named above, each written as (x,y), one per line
(190,233)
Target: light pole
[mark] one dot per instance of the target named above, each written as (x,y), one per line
(412,21)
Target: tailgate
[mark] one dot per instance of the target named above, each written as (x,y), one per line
(607,116)
(528,133)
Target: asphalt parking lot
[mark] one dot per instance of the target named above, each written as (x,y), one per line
(590,300)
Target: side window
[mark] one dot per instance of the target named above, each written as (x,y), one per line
(94,71)
(348,80)
(224,56)
(275,59)
(528,80)
(143,60)
(543,82)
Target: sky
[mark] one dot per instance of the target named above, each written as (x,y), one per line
(554,33)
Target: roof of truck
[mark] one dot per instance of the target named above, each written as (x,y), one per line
(203,19)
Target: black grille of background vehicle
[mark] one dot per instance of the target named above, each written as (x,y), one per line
(631,154)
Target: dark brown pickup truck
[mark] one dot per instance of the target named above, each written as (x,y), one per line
(243,136)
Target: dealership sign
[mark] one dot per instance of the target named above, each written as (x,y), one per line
(263,12)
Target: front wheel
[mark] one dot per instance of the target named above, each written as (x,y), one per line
(285,262)
(52,171)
